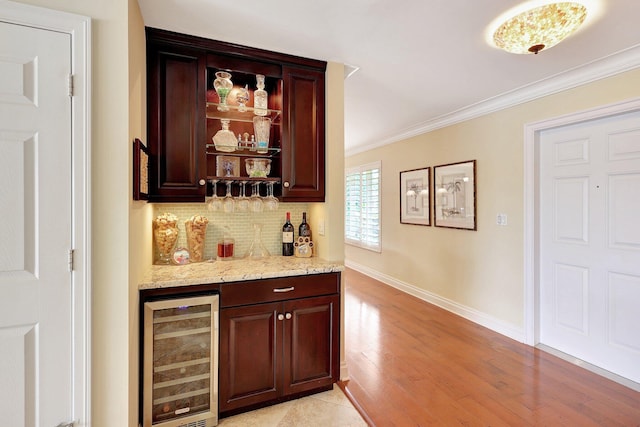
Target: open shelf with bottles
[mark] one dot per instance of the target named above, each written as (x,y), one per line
(243,151)
(236,113)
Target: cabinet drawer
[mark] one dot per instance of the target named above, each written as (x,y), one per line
(278,289)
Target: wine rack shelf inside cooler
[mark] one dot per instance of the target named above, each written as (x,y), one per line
(180,361)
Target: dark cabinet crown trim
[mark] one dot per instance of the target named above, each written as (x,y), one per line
(231,49)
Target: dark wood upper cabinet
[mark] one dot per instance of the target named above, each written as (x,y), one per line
(176,81)
(182,117)
(303,135)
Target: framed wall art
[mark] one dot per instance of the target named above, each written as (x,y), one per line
(454,195)
(228,166)
(140,171)
(414,197)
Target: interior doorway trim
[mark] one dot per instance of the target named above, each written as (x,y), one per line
(531,202)
(79,29)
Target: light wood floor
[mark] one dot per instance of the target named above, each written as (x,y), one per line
(414,364)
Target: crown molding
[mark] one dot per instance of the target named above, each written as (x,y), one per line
(608,66)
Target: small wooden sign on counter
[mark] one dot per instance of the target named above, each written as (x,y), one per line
(303,247)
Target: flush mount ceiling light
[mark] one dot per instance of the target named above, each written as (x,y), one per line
(539,28)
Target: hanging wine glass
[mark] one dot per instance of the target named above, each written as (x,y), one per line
(271,202)
(228,203)
(257,204)
(242,202)
(215,203)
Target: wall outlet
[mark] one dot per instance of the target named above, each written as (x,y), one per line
(321,227)
(501,219)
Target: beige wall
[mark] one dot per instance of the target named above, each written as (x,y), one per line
(140,213)
(330,246)
(480,270)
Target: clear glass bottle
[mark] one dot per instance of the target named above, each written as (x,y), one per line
(243,97)
(224,139)
(260,97)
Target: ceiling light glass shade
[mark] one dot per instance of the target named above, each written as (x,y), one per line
(540,28)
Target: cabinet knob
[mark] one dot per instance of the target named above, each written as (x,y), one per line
(285,184)
(280,316)
(202,182)
(288,316)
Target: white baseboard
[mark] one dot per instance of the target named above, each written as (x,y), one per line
(344,371)
(468,313)
(588,366)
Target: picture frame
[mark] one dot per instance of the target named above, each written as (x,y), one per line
(455,195)
(140,170)
(415,206)
(228,166)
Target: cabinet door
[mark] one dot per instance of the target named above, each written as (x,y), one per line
(250,355)
(311,343)
(176,123)
(303,135)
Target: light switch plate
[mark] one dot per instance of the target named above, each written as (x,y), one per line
(501,219)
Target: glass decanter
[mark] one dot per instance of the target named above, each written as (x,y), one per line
(243,97)
(224,139)
(260,103)
(223,85)
(257,248)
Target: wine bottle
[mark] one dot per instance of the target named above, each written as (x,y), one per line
(304,230)
(287,237)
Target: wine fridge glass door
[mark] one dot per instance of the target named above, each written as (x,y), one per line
(180,378)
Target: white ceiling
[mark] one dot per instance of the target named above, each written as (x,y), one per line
(422,63)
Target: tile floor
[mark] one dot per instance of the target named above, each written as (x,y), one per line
(328,409)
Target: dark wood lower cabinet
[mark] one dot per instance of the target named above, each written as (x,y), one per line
(249,368)
(275,351)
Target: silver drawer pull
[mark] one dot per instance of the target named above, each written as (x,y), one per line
(280,290)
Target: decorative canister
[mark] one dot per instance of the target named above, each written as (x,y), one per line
(165,234)
(196,228)
(223,85)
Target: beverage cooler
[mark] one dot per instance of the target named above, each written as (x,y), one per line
(180,362)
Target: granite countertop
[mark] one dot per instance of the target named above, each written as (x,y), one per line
(166,276)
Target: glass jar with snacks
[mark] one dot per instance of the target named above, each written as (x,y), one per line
(196,228)
(165,234)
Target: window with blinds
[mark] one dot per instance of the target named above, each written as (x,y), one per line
(362,206)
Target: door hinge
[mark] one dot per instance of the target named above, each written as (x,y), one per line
(71,253)
(70,84)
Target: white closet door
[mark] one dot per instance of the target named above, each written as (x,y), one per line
(590,242)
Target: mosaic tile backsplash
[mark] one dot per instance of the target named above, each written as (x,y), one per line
(240,224)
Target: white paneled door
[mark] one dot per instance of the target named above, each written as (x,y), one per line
(36,347)
(590,242)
